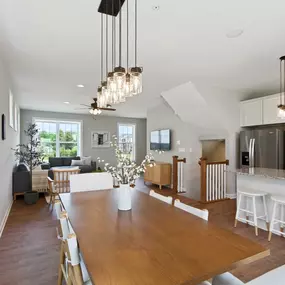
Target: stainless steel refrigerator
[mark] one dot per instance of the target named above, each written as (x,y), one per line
(262,148)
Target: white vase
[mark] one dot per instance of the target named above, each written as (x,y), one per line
(124,197)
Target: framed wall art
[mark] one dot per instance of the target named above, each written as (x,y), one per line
(100,139)
(11,109)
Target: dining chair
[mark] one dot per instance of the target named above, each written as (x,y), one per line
(162,198)
(62,179)
(62,236)
(60,184)
(91,182)
(204,214)
(77,271)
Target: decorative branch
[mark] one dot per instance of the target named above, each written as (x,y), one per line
(126,171)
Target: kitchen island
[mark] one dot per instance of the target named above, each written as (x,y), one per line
(271,181)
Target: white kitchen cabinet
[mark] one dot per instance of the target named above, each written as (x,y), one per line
(270,104)
(251,112)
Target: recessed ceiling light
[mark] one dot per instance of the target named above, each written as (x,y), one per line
(80,86)
(155,7)
(66,102)
(234,33)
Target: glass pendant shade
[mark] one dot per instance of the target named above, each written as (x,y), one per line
(136,77)
(281,106)
(128,86)
(100,99)
(120,77)
(111,84)
(281,112)
(106,94)
(121,95)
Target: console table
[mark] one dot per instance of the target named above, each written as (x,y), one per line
(159,174)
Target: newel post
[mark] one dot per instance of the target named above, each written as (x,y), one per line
(175,172)
(203,171)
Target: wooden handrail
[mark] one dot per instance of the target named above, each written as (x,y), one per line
(219,162)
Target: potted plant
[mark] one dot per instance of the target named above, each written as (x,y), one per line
(125,174)
(31,154)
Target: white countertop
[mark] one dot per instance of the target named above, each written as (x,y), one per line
(264,172)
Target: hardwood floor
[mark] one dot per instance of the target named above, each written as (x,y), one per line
(29,247)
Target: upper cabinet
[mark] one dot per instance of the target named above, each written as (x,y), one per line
(270,104)
(251,113)
(260,111)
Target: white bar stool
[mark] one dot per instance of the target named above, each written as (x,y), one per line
(247,194)
(279,201)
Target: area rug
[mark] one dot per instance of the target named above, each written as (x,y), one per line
(274,277)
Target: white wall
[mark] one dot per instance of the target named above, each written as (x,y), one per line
(7,159)
(206,113)
(102,123)
(163,117)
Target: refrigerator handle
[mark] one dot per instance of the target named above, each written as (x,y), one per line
(250,158)
(252,151)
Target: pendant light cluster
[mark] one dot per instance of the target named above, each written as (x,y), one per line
(281,106)
(119,82)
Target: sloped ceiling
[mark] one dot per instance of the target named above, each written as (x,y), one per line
(207,107)
(51,46)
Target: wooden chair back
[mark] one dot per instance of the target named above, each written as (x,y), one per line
(62,179)
(204,214)
(91,182)
(77,271)
(162,198)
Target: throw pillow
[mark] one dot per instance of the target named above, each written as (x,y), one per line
(77,162)
(87,160)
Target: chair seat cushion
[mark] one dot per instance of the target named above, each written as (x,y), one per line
(226,279)
(274,277)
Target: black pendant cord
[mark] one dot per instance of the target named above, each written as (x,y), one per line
(280,81)
(120,35)
(127,36)
(283,83)
(107,42)
(136,32)
(113,35)
(102,47)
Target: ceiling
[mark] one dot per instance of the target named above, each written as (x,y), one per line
(51,46)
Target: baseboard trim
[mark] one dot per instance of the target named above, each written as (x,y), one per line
(3,223)
(231,196)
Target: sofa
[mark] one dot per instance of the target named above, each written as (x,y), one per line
(65,162)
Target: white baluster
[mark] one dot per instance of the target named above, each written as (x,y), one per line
(208,195)
(222,181)
(210,182)
(182,177)
(216,182)
(225,181)
(178,177)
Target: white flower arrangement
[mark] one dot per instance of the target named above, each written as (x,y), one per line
(126,171)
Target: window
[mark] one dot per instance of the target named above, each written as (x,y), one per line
(126,139)
(59,138)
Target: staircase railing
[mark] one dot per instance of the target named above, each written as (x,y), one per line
(213,180)
(178,174)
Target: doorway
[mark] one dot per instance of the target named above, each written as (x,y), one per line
(214,150)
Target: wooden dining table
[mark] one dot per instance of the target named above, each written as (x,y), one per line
(154,243)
